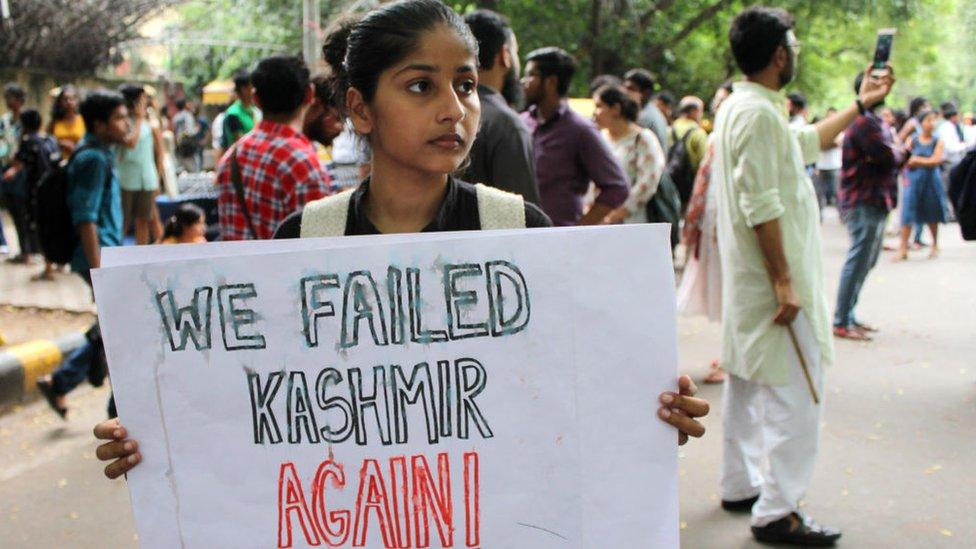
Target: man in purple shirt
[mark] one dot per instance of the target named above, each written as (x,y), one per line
(569,150)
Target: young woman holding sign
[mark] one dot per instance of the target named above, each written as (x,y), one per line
(408,71)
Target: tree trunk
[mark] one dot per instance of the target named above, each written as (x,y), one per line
(593,40)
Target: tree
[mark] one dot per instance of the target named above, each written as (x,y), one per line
(276,24)
(685,43)
(71,36)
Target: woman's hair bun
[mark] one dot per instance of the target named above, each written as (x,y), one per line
(337,41)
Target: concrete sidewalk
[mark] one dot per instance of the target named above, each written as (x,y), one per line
(21,364)
(895,467)
(67,292)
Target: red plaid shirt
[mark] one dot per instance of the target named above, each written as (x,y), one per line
(280,172)
(871,160)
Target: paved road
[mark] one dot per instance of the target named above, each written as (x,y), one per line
(896,468)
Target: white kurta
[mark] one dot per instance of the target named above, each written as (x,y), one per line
(759,175)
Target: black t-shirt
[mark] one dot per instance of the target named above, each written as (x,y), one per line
(458,212)
(38,153)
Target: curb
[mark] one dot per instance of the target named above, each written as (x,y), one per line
(21,364)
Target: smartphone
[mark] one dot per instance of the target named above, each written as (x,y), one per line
(882,50)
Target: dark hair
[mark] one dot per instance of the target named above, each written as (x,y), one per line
(901,117)
(30,119)
(14,91)
(616,95)
(642,78)
(324,84)
(359,51)
(925,114)
(666,98)
(492,31)
(57,111)
(280,82)
(915,106)
(180,103)
(242,79)
(556,62)
(798,100)
(99,105)
(949,109)
(186,215)
(755,34)
(604,80)
(132,93)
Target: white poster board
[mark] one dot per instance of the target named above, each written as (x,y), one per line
(493,389)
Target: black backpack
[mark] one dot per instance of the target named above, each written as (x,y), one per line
(56,230)
(679,166)
(665,205)
(962,194)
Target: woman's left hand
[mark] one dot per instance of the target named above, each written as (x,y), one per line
(682,408)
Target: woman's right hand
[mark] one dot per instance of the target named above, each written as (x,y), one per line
(120,451)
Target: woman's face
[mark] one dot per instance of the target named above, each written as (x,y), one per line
(196,231)
(69,101)
(425,113)
(928,123)
(603,115)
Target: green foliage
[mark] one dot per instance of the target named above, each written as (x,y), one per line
(684,42)
(271,22)
(934,50)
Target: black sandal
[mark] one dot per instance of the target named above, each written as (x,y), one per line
(47,389)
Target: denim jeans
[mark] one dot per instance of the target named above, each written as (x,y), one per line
(865,225)
(3,239)
(74,370)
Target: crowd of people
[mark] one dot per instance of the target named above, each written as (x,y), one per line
(444,100)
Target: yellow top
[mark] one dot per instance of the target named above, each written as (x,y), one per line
(71,131)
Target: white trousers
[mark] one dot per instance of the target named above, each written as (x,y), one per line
(771,434)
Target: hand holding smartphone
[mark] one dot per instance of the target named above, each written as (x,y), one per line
(882,52)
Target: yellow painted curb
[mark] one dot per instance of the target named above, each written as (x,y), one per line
(38,358)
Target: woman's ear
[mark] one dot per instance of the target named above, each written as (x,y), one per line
(359,112)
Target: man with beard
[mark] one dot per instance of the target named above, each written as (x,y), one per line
(776,331)
(502,153)
(640,84)
(323,122)
(569,150)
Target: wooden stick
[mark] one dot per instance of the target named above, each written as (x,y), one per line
(803,363)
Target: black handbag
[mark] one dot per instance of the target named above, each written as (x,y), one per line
(98,366)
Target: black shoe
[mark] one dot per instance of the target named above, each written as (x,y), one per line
(739,505)
(796,529)
(46,387)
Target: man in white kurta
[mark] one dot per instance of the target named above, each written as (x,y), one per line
(772,280)
(759,165)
